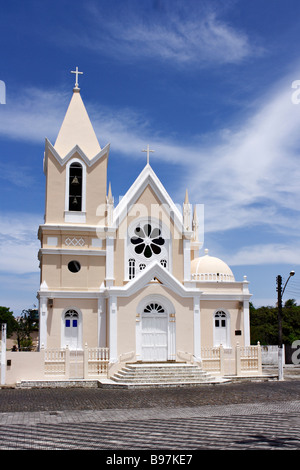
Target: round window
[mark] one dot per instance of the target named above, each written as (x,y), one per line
(74,266)
(147,240)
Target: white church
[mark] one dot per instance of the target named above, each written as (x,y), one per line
(131,278)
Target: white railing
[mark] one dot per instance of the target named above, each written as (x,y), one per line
(91,362)
(212,360)
(248,359)
(97,361)
(55,362)
(223,361)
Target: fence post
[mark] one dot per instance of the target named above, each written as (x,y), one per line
(238,359)
(3,354)
(85,362)
(67,363)
(222,365)
(259,361)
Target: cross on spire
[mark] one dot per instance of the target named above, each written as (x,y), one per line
(76,73)
(148,153)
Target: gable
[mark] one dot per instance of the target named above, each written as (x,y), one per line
(147,189)
(163,278)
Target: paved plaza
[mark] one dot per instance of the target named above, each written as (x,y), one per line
(260,415)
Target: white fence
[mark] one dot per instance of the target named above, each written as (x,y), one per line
(93,363)
(241,361)
(66,364)
(3,354)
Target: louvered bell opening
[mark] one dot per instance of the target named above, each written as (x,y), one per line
(75,187)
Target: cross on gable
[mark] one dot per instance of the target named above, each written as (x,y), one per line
(148,153)
(76,73)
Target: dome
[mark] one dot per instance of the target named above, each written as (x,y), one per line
(209,268)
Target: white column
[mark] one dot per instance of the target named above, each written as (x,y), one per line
(172,337)
(101,323)
(246,312)
(3,354)
(197,328)
(112,333)
(186,260)
(246,323)
(43,323)
(110,261)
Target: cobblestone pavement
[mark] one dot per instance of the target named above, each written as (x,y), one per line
(232,416)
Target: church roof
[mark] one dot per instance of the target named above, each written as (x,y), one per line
(209,268)
(77,130)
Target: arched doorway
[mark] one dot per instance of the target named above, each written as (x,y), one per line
(71,330)
(156,330)
(221,329)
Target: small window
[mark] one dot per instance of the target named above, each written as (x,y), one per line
(131,266)
(75,187)
(74,266)
(220,319)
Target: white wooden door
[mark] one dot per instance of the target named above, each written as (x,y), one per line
(154,334)
(71,329)
(220,329)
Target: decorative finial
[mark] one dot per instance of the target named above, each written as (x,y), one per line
(206,251)
(76,80)
(186,200)
(148,152)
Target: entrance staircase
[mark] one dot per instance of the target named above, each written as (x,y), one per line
(159,375)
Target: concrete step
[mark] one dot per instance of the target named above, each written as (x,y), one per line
(161,373)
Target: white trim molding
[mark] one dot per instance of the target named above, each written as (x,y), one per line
(76,149)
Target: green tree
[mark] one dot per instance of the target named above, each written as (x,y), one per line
(26,324)
(264,323)
(6,316)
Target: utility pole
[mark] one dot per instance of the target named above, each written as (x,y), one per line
(280,292)
(279,314)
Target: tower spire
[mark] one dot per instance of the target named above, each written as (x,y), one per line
(77,128)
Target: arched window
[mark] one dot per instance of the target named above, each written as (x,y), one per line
(75,187)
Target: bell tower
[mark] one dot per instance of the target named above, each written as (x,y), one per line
(75,168)
(73,236)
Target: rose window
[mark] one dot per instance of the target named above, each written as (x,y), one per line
(147,240)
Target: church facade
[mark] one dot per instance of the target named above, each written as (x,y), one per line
(131,277)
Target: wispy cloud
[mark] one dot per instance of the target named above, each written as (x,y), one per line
(18,243)
(180,34)
(269,253)
(33,115)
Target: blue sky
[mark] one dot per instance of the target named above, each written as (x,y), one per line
(207,84)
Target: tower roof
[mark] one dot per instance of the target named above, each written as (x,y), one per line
(77,129)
